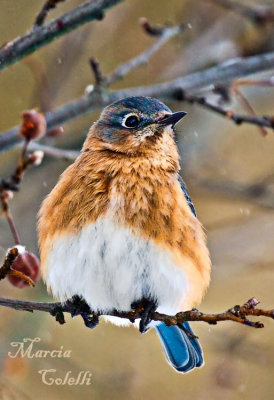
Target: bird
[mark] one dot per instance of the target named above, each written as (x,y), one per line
(119,229)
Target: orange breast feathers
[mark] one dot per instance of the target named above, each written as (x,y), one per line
(140,192)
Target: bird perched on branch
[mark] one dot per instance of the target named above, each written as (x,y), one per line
(119,229)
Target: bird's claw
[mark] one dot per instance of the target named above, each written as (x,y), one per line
(78,306)
(57,312)
(90,320)
(148,307)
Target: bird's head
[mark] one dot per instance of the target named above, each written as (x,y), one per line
(135,124)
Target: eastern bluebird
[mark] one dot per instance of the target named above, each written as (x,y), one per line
(119,228)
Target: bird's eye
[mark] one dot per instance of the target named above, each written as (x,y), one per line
(130,121)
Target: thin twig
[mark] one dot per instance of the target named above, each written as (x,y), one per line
(265,121)
(9,217)
(236,314)
(122,70)
(13,229)
(152,30)
(224,72)
(97,72)
(69,155)
(21,47)
(251,110)
(248,82)
(13,182)
(10,185)
(42,15)
(163,34)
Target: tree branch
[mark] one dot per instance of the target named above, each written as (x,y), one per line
(33,126)
(222,73)
(122,70)
(69,155)
(163,34)
(97,72)
(21,47)
(266,121)
(236,314)
(42,15)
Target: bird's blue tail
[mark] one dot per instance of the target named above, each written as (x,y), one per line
(183,352)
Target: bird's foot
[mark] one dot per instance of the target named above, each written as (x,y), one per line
(78,306)
(147,307)
(57,312)
(90,320)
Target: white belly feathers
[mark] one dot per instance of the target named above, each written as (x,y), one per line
(110,268)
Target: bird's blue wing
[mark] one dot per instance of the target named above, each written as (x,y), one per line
(183,352)
(188,199)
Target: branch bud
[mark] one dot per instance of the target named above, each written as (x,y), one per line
(27,263)
(33,126)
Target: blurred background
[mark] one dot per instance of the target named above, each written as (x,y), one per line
(229,171)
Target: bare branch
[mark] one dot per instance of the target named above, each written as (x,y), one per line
(248,82)
(97,72)
(236,314)
(48,5)
(222,73)
(33,126)
(251,111)
(152,30)
(5,196)
(69,155)
(265,121)
(143,58)
(20,47)
(163,33)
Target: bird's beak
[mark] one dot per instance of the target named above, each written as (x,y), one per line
(172,119)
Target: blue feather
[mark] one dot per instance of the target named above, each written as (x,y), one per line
(182,352)
(188,199)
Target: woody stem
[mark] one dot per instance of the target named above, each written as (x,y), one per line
(13,229)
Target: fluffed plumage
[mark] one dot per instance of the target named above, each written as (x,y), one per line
(119,226)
